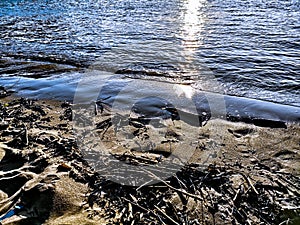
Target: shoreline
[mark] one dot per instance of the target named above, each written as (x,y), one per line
(253,166)
(237,109)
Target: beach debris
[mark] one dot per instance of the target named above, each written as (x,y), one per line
(36,153)
(4,93)
(11,212)
(197,196)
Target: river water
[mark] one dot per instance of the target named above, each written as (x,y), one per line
(240,48)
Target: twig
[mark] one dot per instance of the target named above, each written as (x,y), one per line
(285,222)
(249,182)
(142,185)
(26,136)
(236,195)
(143,208)
(175,189)
(138,159)
(139,206)
(8,203)
(180,182)
(168,217)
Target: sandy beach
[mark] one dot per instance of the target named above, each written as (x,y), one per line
(182,112)
(237,173)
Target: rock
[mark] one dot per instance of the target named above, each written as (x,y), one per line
(4,93)
(64,167)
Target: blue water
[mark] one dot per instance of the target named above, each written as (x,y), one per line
(250,48)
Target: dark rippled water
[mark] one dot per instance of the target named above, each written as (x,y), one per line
(250,48)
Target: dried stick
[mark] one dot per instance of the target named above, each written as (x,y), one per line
(175,189)
(168,217)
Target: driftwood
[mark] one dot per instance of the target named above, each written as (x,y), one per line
(209,193)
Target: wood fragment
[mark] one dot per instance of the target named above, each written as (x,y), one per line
(250,183)
(176,189)
(168,217)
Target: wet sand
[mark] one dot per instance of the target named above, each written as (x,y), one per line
(237,173)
